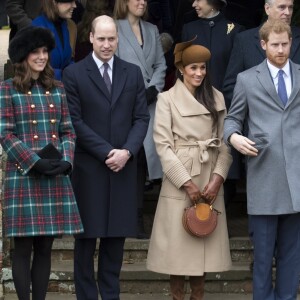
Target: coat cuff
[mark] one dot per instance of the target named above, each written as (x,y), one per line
(178,175)
(222,166)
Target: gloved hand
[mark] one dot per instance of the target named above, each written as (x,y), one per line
(44,165)
(192,190)
(151,94)
(60,167)
(211,190)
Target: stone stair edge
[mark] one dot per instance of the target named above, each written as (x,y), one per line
(138,272)
(67,243)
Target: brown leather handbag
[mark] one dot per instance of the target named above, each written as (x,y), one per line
(200,219)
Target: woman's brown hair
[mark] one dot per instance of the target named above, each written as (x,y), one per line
(121,10)
(22,80)
(50,10)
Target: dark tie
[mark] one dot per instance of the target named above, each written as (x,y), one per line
(282,88)
(106,77)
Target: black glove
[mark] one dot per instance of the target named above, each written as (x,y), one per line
(60,167)
(44,165)
(151,94)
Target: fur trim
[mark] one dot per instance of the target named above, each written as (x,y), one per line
(28,39)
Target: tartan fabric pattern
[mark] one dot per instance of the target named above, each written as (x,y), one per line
(35,204)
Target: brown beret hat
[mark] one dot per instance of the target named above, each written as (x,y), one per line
(186,53)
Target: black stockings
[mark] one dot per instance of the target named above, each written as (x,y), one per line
(40,269)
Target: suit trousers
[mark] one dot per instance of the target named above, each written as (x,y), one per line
(275,236)
(109,266)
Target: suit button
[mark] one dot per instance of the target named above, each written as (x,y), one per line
(21,170)
(53,136)
(32,106)
(34,122)
(53,121)
(35,136)
(29,92)
(51,105)
(47,92)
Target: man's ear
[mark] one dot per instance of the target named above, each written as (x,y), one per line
(91,37)
(267,7)
(263,44)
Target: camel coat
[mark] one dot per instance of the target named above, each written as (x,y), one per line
(189,148)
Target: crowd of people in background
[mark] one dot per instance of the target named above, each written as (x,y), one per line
(145,86)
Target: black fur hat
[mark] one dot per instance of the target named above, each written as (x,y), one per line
(28,39)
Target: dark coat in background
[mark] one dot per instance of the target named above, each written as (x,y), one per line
(217,34)
(247,53)
(107,200)
(21,13)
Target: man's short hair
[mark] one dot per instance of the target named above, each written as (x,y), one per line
(270,2)
(276,26)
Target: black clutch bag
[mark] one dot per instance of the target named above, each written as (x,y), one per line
(49,152)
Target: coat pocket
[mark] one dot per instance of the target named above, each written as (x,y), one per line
(261,140)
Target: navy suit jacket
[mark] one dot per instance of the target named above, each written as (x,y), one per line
(247,53)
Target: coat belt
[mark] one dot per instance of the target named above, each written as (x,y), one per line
(201,147)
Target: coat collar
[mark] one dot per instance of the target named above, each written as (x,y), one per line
(257,43)
(295,70)
(118,82)
(264,77)
(141,52)
(187,105)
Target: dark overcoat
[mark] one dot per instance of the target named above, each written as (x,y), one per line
(217,34)
(107,200)
(150,58)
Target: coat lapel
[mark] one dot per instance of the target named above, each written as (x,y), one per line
(257,44)
(295,41)
(190,106)
(95,76)
(266,81)
(119,79)
(132,41)
(295,72)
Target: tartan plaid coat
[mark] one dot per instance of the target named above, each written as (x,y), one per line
(36,204)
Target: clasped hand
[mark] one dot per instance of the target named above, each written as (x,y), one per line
(192,190)
(211,190)
(117,159)
(51,167)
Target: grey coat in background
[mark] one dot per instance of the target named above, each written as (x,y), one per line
(273,176)
(150,58)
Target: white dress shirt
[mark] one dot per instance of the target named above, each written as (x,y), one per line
(286,75)
(101,67)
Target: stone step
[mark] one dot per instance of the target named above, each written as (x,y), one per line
(136,279)
(155,296)
(136,250)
